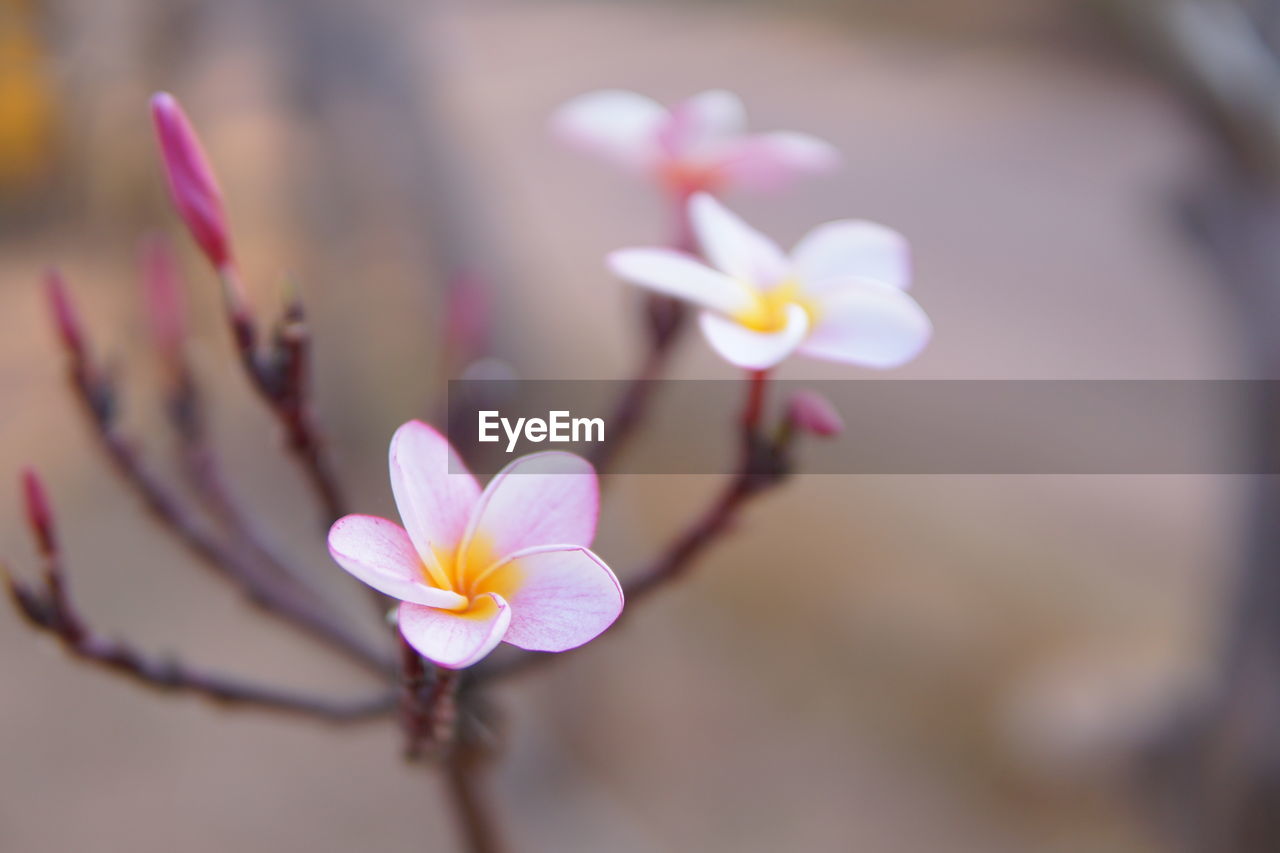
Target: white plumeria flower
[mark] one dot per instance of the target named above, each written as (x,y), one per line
(839,296)
(474,567)
(699,145)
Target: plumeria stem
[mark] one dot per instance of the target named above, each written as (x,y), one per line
(631,406)
(200,464)
(51,610)
(429,716)
(282,379)
(265,593)
(413,685)
(97,394)
(754,408)
(666,318)
(757,471)
(429,704)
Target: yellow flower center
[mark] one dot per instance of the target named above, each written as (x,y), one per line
(472,573)
(768,311)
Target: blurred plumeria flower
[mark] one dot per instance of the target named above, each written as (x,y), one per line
(699,145)
(839,296)
(474,568)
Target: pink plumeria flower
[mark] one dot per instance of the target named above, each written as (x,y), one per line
(474,568)
(839,296)
(699,145)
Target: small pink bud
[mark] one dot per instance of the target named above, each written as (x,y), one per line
(813,413)
(162,292)
(192,186)
(65,318)
(39,515)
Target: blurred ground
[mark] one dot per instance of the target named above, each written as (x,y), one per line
(896,664)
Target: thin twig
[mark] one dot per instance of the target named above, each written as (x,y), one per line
(201,466)
(413,685)
(281,377)
(629,411)
(94,389)
(172,675)
(665,320)
(52,611)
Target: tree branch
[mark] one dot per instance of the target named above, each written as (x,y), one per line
(95,391)
(52,611)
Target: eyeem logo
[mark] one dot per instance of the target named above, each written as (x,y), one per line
(559,427)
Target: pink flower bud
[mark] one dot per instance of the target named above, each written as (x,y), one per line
(468,308)
(192,186)
(162,292)
(813,413)
(39,515)
(65,318)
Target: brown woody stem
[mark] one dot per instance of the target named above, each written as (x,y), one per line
(272,595)
(51,610)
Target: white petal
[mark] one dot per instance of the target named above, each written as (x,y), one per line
(768,161)
(433,490)
(676,274)
(868,323)
(751,349)
(618,125)
(561,596)
(378,552)
(703,124)
(853,248)
(733,246)
(539,499)
(453,639)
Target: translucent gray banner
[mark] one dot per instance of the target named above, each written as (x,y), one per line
(891,426)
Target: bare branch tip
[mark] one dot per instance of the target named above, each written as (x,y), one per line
(65,317)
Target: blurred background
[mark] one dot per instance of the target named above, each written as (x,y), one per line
(883,664)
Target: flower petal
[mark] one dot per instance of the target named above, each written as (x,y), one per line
(676,274)
(618,125)
(853,247)
(704,123)
(433,489)
(868,323)
(455,640)
(539,499)
(734,247)
(561,596)
(769,161)
(751,349)
(378,552)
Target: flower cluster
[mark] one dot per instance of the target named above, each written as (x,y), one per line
(474,568)
(840,295)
